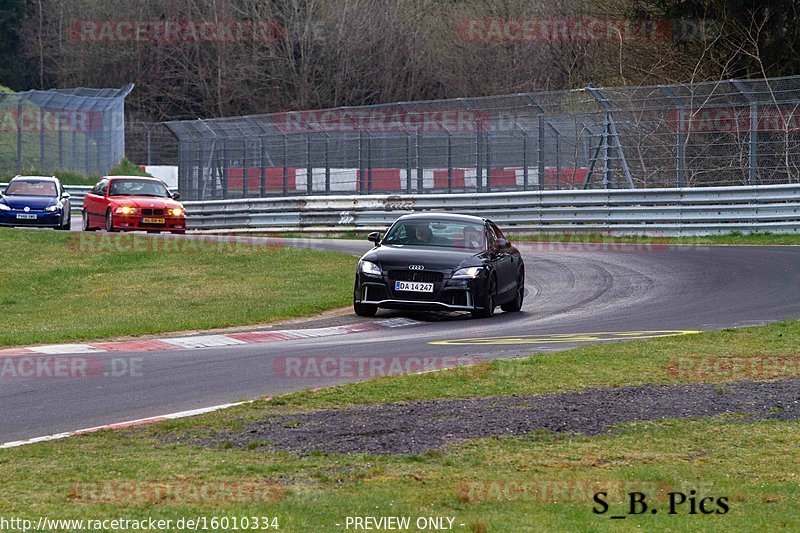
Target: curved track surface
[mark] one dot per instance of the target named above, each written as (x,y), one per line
(569,289)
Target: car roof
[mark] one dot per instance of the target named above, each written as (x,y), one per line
(443,216)
(148,178)
(35,178)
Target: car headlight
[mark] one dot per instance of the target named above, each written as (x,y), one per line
(4,207)
(125,210)
(176,212)
(54,207)
(469,272)
(368,267)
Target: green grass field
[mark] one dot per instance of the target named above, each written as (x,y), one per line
(60,287)
(539,482)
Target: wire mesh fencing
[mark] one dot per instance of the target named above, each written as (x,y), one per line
(734,132)
(77,130)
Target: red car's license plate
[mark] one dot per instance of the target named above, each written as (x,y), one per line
(152,221)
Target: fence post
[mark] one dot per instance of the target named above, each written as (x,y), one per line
(360,179)
(327,163)
(680,149)
(541,139)
(309,167)
(262,171)
(558,154)
(752,174)
(149,144)
(285,154)
(41,140)
(478,156)
(86,153)
(60,144)
(524,157)
(420,180)
(225,165)
(449,162)
(245,169)
(488,162)
(19,135)
(369,162)
(408,162)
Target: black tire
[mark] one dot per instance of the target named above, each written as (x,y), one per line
(516,304)
(85,219)
(65,226)
(110,222)
(487,304)
(366,310)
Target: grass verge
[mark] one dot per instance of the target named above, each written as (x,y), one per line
(60,287)
(538,482)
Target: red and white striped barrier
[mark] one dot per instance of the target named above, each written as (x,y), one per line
(193,342)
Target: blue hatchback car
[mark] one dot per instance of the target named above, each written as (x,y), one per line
(35,201)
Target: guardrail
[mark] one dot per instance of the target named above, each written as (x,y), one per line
(685,211)
(76,194)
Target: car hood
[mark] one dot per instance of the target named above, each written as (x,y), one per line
(34,202)
(144,201)
(391,257)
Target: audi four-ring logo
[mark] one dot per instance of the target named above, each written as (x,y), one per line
(416,267)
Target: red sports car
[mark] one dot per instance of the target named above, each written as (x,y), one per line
(131,203)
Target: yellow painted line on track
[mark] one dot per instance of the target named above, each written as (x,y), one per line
(557,338)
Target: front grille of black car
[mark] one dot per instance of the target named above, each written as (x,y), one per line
(153,212)
(416,275)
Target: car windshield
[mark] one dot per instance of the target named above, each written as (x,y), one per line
(32,188)
(442,233)
(138,188)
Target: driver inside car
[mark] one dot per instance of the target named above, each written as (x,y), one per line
(423,234)
(472,238)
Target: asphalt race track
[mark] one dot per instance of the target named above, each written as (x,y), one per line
(571,289)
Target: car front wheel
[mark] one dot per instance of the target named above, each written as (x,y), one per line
(516,304)
(487,305)
(109,222)
(67,222)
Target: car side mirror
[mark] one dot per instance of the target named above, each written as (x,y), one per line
(375,237)
(176,195)
(65,196)
(503,244)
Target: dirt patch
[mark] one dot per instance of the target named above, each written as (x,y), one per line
(415,427)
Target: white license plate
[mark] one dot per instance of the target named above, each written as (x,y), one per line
(26,216)
(413,286)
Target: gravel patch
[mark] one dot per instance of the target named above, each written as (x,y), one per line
(415,427)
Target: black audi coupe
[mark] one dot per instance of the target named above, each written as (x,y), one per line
(440,261)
